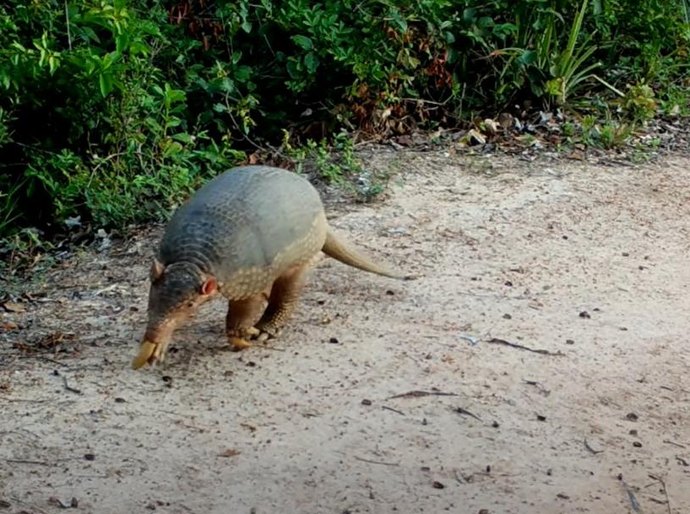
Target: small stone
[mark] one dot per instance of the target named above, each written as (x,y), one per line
(631,416)
(507,316)
(569,341)
(438,485)
(637,444)
(366,402)
(585,315)
(89,456)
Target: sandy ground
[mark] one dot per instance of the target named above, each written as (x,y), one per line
(385,396)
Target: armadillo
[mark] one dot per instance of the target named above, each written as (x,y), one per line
(250,235)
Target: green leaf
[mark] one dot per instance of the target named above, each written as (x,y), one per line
(303,42)
(172,148)
(311,61)
(183,137)
(173,96)
(89,34)
(527,57)
(121,43)
(105,82)
(138,48)
(53,63)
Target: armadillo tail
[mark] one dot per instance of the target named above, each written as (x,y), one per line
(340,250)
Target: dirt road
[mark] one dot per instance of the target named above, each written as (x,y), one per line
(385,396)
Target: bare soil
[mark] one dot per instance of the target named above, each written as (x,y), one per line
(538,365)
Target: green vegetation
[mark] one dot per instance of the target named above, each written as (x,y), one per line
(113,111)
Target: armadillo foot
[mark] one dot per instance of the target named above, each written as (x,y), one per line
(239,338)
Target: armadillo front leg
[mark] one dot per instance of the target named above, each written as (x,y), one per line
(282,302)
(240,319)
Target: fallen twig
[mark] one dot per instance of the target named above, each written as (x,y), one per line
(667,441)
(592,449)
(362,459)
(419,394)
(663,486)
(68,387)
(24,400)
(496,340)
(46,359)
(633,499)
(465,412)
(24,461)
(393,410)
(540,387)
(73,504)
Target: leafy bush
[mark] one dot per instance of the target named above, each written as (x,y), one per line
(115,110)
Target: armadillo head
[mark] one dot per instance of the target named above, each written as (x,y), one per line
(176,292)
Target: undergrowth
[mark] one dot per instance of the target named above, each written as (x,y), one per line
(112,112)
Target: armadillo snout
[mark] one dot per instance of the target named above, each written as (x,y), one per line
(172,299)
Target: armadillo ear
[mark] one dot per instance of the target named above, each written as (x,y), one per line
(209,286)
(157,269)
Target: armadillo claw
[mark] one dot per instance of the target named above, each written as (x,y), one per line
(238,343)
(262,337)
(148,353)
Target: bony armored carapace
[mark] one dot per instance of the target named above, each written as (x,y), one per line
(249,235)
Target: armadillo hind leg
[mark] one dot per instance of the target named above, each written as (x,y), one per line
(240,319)
(283,300)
